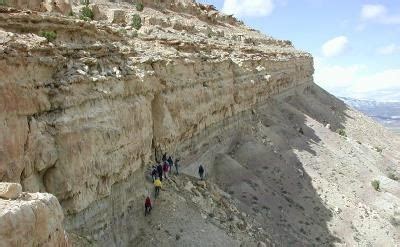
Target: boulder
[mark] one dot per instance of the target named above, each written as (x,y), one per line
(261,244)
(32,220)
(59,6)
(202,184)
(10,190)
(119,17)
(98,14)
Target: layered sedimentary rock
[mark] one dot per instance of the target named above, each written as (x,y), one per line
(31,220)
(58,6)
(85,111)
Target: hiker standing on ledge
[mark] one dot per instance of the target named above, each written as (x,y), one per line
(154,173)
(147,206)
(201,172)
(157,187)
(160,171)
(170,163)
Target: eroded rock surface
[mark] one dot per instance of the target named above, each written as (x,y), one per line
(82,113)
(32,220)
(59,6)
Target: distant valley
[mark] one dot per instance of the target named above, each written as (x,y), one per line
(387,113)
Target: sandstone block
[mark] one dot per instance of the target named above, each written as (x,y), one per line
(119,17)
(202,184)
(98,13)
(34,220)
(10,190)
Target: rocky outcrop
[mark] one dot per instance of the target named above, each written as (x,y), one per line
(31,220)
(58,6)
(10,190)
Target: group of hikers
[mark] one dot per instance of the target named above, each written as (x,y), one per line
(160,171)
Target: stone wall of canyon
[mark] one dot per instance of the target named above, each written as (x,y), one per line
(83,113)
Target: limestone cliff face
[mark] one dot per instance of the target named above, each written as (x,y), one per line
(84,112)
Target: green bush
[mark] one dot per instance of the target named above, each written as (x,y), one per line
(342,132)
(139,7)
(393,176)
(395,221)
(2,2)
(122,31)
(49,35)
(376,184)
(379,149)
(136,21)
(86,14)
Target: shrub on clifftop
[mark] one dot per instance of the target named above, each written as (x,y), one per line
(139,7)
(376,184)
(86,12)
(342,132)
(136,21)
(49,35)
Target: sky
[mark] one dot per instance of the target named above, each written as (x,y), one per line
(355,43)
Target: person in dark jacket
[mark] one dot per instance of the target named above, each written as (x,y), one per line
(164,157)
(176,166)
(170,163)
(160,171)
(154,173)
(201,172)
(147,206)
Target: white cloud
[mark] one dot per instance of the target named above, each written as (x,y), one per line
(373,11)
(354,81)
(385,80)
(389,49)
(378,13)
(335,77)
(335,46)
(252,8)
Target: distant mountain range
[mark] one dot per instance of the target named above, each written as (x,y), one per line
(387,113)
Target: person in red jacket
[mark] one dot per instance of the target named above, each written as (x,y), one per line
(165,168)
(147,206)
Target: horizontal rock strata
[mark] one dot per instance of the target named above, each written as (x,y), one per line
(85,111)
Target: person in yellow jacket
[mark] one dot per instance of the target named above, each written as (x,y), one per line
(157,185)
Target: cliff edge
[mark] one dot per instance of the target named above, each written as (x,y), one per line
(91,95)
